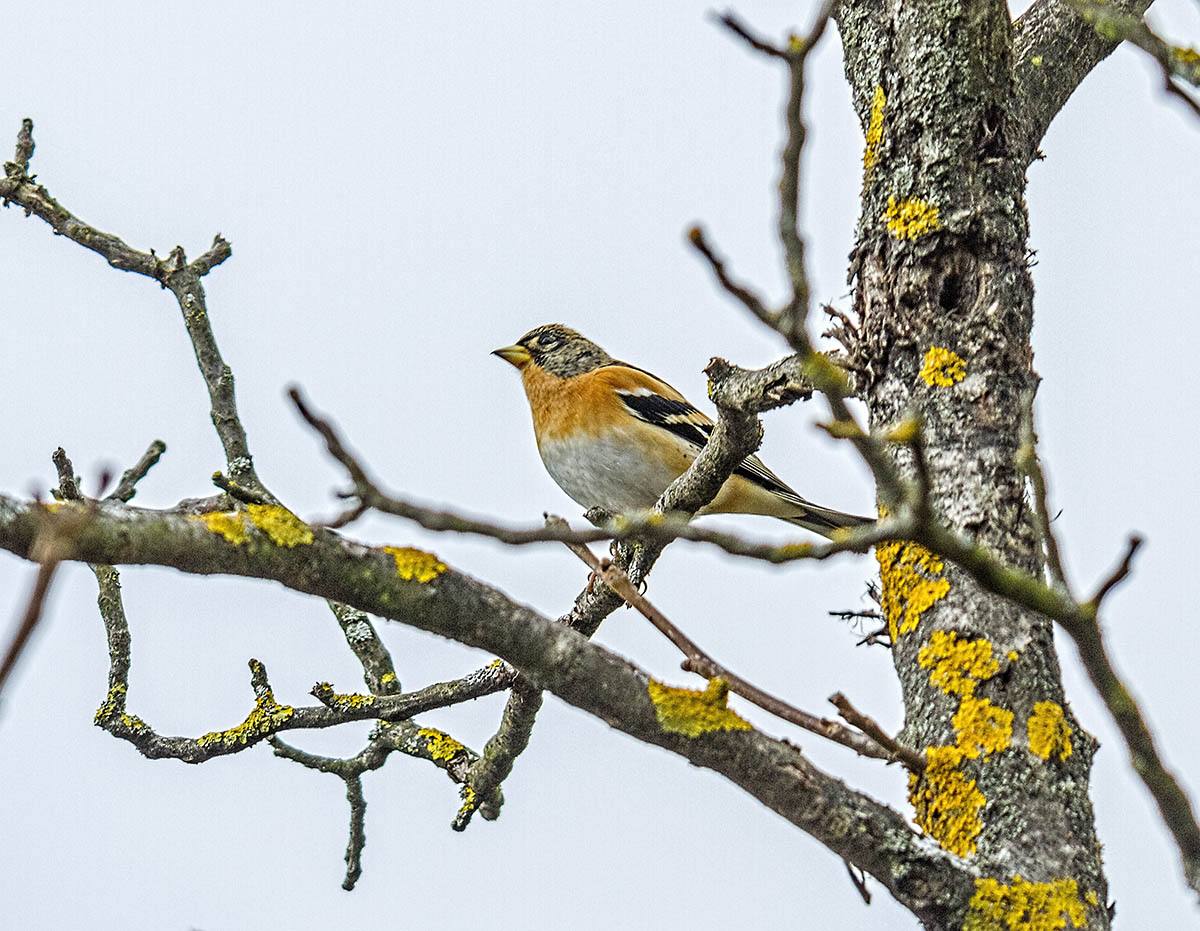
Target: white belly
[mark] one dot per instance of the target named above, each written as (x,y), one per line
(607,472)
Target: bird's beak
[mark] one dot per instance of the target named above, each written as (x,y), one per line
(517,356)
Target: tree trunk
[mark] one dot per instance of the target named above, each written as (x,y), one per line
(945,308)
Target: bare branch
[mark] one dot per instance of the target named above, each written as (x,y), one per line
(1054,50)
(358,831)
(699,662)
(48,556)
(493,766)
(751,301)
(173,273)
(127,486)
(1092,605)
(1028,463)
(790,321)
(424,592)
(1174,62)
(912,760)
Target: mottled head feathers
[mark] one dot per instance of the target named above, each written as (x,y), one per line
(558,350)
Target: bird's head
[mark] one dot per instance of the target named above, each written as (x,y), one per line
(556,349)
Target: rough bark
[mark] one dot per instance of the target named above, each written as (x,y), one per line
(945,309)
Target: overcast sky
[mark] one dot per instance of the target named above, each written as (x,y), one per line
(406,189)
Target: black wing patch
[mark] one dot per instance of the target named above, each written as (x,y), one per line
(677,416)
(682,419)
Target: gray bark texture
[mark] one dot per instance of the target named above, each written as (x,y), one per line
(953,99)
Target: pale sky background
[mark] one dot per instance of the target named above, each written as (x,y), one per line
(406,189)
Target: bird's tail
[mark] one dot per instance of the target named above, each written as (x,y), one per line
(826,520)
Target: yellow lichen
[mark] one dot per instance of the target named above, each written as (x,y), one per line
(113,708)
(942,367)
(1091,898)
(133,723)
(387,678)
(1188,57)
(946,802)
(910,218)
(347,701)
(1036,61)
(281,525)
(229,524)
(1012,656)
(874,131)
(982,727)
(1049,731)
(1025,906)
(415,565)
(691,713)
(113,703)
(265,719)
(470,801)
(912,582)
(957,664)
(441,746)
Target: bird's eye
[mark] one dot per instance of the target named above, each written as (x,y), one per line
(547,343)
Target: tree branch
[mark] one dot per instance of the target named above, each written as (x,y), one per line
(174,273)
(420,590)
(699,662)
(1054,50)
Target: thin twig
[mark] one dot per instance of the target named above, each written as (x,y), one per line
(860,881)
(912,760)
(50,547)
(751,301)
(181,278)
(48,563)
(358,831)
(68,482)
(127,486)
(1029,463)
(737,27)
(1173,61)
(1118,575)
(699,662)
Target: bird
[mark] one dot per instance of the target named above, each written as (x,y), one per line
(613,435)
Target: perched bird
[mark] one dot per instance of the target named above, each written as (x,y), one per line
(614,436)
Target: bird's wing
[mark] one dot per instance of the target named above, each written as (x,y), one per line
(655,402)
